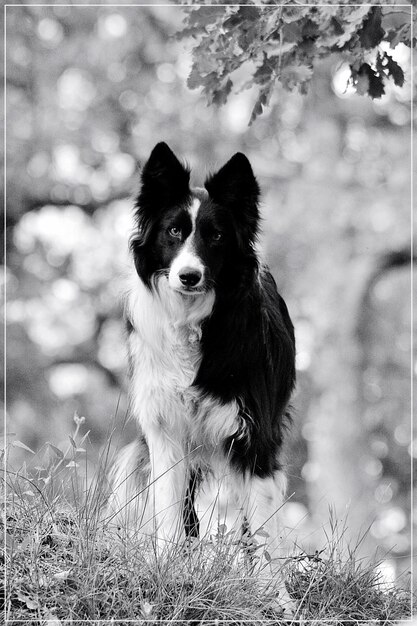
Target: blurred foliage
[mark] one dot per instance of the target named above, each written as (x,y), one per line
(90,90)
(283,43)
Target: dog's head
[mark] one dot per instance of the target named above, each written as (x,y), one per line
(196,239)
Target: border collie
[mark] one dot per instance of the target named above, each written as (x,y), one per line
(211,352)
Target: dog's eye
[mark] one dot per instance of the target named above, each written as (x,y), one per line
(175,232)
(217,236)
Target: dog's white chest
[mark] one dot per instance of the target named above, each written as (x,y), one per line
(165,355)
(161,379)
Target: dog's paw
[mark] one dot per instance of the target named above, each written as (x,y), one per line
(282,606)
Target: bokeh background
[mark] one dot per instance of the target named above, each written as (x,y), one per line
(90,90)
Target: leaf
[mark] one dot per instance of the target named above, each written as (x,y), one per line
(263,73)
(376,86)
(310,29)
(292,14)
(24,544)
(356,13)
(293,75)
(334,35)
(84,437)
(57,451)
(185,33)
(247,14)
(328,9)
(208,64)
(267,556)
(9,542)
(336,26)
(361,82)
(401,35)
(275,50)
(74,445)
(20,444)
(62,575)
(31,603)
(248,34)
(261,103)
(194,79)
(288,41)
(257,109)
(147,609)
(394,70)
(371,33)
(204,16)
(292,33)
(261,532)
(220,95)
(51,619)
(374,82)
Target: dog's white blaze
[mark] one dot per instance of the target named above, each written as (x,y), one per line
(187,256)
(193,210)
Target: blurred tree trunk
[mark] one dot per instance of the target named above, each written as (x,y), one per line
(339,447)
(342,471)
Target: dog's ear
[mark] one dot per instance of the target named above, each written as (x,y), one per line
(165,183)
(165,180)
(235,186)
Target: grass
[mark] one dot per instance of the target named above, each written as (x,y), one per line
(65,564)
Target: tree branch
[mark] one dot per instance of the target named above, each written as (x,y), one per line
(34,203)
(90,361)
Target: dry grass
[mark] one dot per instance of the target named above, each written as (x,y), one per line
(64,562)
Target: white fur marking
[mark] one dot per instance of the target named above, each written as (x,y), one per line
(187,257)
(193,210)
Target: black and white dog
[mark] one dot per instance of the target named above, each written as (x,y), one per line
(211,349)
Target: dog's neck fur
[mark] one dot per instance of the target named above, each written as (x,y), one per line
(165,352)
(162,310)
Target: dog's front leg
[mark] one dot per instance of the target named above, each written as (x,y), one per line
(264,502)
(265,499)
(164,500)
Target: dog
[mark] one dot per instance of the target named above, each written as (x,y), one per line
(211,357)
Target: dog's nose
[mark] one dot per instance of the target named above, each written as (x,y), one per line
(190,277)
